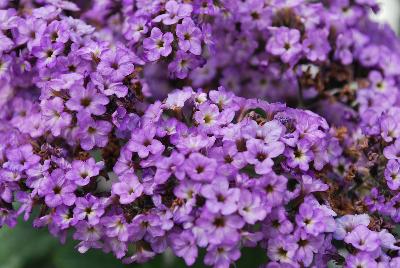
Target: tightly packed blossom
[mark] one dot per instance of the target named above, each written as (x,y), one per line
(134,127)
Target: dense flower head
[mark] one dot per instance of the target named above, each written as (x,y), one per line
(136,126)
(167,187)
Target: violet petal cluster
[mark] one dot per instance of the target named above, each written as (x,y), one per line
(135,127)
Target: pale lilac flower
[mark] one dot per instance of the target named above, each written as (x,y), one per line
(143,142)
(221,198)
(184,245)
(300,156)
(251,207)
(82,171)
(189,36)
(285,43)
(282,249)
(129,188)
(56,118)
(58,190)
(90,208)
(158,44)
(260,155)
(109,86)
(115,64)
(361,260)
(392,174)
(363,239)
(174,12)
(47,52)
(200,168)
(221,256)
(86,100)
(169,166)
(116,226)
(392,151)
(93,133)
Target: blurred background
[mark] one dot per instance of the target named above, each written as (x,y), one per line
(390,13)
(25,247)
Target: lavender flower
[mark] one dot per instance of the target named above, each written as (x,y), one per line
(196,167)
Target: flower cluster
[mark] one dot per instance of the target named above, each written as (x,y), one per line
(255,48)
(96,140)
(199,170)
(368,247)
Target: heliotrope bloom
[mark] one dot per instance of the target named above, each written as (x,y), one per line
(109,124)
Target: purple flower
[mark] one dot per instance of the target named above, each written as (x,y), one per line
(285,43)
(56,119)
(116,226)
(387,240)
(361,260)
(219,228)
(221,198)
(86,100)
(374,201)
(228,158)
(8,217)
(64,217)
(182,64)
(348,223)
(392,151)
(167,166)
(124,163)
(135,29)
(316,45)
(89,235)
(174,12)
(187,190)
(47,52)
(251,207)
(363,239)
(21,158)
(115,64)
(57,31)
(270,132)
(392,175)
(282,249)
(158,44)
(31,32)
(389,128)
(369,55)
(177,99)
(26,200)
(344,41)
(93,133)
(311,219)
(58,190)
(260,155)
(144,143)
(200,168)
(129,188)
(5,44)
(92,50)
(189,36)
(143,224)
(221,256)
(90,208)
(82,171)
(300,156)
(109,86)
(277,223)
(184,245)
(207,116)
(272,188)
(307,246)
